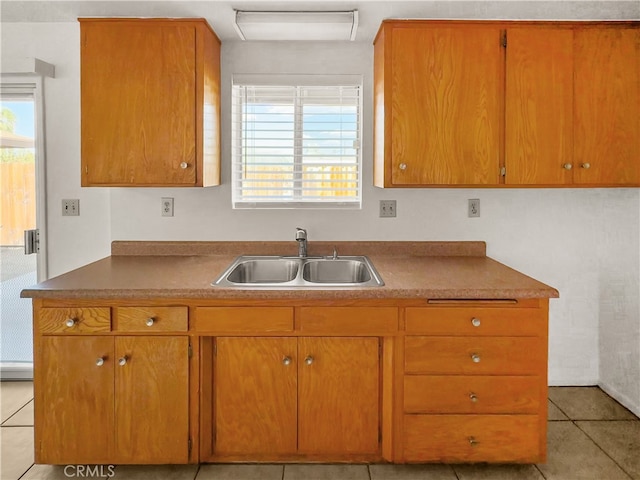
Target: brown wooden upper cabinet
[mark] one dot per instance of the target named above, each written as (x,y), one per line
(437,105)
(607,106)
(507,103)
(538,105)
(150,102)
(572,105)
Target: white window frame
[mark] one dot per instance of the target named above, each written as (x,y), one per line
(293,81)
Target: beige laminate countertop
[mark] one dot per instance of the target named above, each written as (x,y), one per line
(410,270)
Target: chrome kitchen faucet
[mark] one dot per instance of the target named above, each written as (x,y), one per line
(301,238)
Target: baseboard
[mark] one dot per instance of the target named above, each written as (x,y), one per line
(623,399)
(16,371)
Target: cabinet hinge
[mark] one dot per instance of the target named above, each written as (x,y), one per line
(503,40)
(379,435)
(380,350)
(190,351)
(503,172)
(189,444)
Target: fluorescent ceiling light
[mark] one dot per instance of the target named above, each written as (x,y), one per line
(296,25)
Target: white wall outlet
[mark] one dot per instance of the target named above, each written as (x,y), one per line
(474,207)
(70,207)
(387,208)
(167,206)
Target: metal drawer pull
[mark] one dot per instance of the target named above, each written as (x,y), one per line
(286,361)
(150,321)
(100,362)
(70,322)
(472,441)
(475,322)
(475,357)
(473,397)
(123,361)
(308,360)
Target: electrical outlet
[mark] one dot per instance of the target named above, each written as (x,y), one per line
(474,207)
(70,207)
(387,208)
(167,207)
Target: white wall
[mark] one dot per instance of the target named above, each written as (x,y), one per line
(584,242)
(71,241)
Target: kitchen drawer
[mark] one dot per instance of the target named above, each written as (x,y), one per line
(249,320)
(151,319)
(471,438)
(505,321)
(348,320)
(72,321)
(474,355)
(471,394)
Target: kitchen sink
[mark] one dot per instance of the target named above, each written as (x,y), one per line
(265,270)
(292,272)
(336,271)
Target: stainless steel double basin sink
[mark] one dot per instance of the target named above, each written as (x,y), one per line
(286,272)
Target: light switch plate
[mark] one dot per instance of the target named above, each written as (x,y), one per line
(387,208)
(70,207)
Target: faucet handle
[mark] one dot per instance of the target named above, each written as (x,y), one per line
(335,252)
(301,233)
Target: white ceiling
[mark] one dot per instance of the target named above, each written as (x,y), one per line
(219,13)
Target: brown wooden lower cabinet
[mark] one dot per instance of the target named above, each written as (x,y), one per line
(164,383)
(113,400)
(287,395)
(470,438)
(77,396)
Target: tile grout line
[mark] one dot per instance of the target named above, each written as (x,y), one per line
(562,411)
(14,414)
(197,471)
(541,473)
(25,472)
(601,449)
(369,470)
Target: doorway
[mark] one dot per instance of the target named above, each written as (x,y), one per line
(20,202)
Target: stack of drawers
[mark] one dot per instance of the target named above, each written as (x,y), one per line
(475,384)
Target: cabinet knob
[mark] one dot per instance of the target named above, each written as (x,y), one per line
(100,361)
(567,166)
(123,361)
(586,165)
(472,441)
(184,165)
(403,166)
(475,357)
(475,322)
(473,397)
(70,322)
(150,321)
(308,360)
(286,361)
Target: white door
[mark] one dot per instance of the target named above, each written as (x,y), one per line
(22,197)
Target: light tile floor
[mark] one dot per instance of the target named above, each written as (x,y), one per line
(591,437)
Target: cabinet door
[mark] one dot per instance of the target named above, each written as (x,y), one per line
(445,108)
(255,396)
(539,106)
(152,399)
(77,391)
(607,102)
(338,395)
(138,83)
